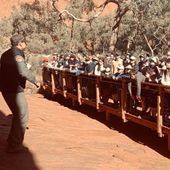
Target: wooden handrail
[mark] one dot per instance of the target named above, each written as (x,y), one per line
(122,111)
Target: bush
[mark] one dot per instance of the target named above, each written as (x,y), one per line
(40,43)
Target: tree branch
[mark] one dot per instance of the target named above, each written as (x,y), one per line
(101,9)
(110,1)
(146,39)
(53,2)
(119,16)
(159,43)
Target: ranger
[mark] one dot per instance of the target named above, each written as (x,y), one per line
(13,76)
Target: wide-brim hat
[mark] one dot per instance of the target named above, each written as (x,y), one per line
(120,67)
(95,59)
(128,67)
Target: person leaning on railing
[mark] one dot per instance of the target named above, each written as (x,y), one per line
(140,75)
(89,70)
(165,80)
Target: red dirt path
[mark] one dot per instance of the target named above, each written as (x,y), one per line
(63,138)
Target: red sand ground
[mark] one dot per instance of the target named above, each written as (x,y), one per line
(64,138)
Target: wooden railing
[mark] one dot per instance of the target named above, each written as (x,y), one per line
(97,91)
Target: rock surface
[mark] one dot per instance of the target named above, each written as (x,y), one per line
(6,6)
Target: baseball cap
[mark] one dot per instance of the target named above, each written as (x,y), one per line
(132,57)
(15,39)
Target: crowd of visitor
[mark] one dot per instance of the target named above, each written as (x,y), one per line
(142,68)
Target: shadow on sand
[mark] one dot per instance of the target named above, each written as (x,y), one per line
(13,161)
(137,133)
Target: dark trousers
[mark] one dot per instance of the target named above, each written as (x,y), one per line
(140,78)
(18,106)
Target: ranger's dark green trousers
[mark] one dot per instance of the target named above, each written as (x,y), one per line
(18,106)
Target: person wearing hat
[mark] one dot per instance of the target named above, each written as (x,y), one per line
(90,65)
(115,63)
(142,59)
(99,68)
(136,73)
(89,70)
(139,76)
(13,76)
(152,72)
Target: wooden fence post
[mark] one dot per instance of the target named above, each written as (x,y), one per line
(64,84)
(159,113)
(79,90)
(53,82)
(168,141)
(98,94)
(123,101)
(108,116)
